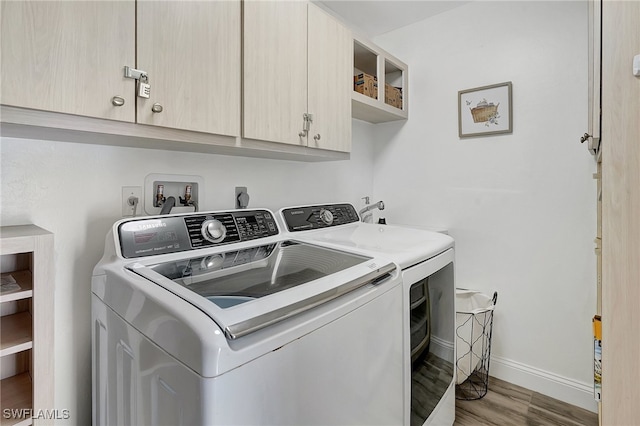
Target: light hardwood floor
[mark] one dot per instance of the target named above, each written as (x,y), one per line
(508,404)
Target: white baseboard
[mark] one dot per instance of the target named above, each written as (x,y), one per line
(441,348)
(561,388)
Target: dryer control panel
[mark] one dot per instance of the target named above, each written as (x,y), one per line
(316,217)
(169,234)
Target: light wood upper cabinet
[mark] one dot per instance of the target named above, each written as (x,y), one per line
(191,52)
(68,56)
(275,70)
(297,60)
(330,61)
(63,72)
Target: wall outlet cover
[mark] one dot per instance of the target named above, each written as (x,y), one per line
(131,200)
(240,190)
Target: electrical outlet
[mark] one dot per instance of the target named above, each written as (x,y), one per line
(131,207)
(240,190)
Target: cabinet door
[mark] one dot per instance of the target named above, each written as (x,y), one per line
(330,81)
(68,56)
(275,70)
(191,52)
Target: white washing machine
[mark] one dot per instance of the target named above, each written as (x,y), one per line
(219,319)
(426,261)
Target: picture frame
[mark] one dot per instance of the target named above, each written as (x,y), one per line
(485,111)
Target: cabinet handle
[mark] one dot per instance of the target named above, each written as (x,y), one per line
(117,101)
(307,119)
(156,107)
(316,137)
(585,137)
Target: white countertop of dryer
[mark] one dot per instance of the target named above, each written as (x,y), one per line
(406,246)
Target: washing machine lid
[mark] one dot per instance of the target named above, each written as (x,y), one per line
(249,288)
(404,245)
(338,225)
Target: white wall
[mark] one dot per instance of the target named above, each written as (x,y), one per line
(521,207)
(74,191)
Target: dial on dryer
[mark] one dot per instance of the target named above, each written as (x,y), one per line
(326,216)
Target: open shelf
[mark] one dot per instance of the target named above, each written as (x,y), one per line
(372,110)
(16,333)
(390,102)
(16,395)
(26,323)
(23,279)
(365,59)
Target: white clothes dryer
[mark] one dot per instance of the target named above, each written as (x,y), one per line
(426,261)
(217,318)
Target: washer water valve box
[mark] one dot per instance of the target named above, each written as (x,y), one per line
(185,191)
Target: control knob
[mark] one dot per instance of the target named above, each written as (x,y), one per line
(213,230)
(326,216)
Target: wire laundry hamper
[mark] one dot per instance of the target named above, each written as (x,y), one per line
(474,324)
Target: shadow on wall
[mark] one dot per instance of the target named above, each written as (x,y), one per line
(89,248)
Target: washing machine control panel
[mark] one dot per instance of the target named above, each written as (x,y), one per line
(170,234)
(317,217)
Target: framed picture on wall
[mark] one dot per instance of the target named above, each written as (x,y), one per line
(485,111)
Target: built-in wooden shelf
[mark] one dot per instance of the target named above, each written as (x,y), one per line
(23,279)
(374,61)
(372,110)
(26,324)
(16,395)
(16,333)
